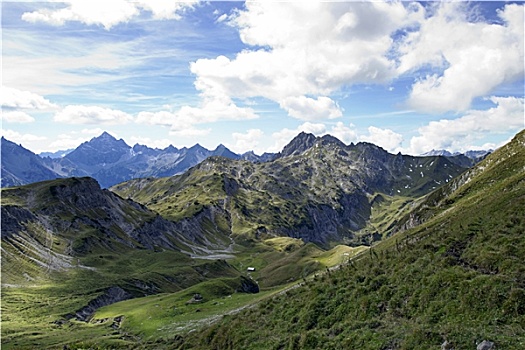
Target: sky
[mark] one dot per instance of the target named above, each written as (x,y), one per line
(407,76)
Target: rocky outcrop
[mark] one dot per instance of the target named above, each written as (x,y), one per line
(14,219)
(247,285)
(485,345)
(110,296)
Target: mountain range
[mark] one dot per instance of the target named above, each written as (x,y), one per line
(111,161)
(106,159)
(385,250)
(317,189)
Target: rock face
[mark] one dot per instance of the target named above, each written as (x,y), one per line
(110,296)
(248,286)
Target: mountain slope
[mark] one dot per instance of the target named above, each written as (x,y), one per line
(21,166)
(453,281)
(318,190)
(80,247)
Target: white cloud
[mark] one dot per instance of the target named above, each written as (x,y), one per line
(344,133)
(461,134)
(303,52)
(385,138)
(248,141)
(306,108)
(191,132)
(183,121)
(107,13)
(78,114)
(17,99)
(16,117)
(474,57)
(97,12)
(19,138)
(62,67)
(163,9)
(155,118)
(310,50)
(73,139)
(154,143)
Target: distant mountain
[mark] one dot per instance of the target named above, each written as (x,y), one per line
(467,159)
(21,166)
(111,161)
(469,154)
(57,154)
(106,159)
(100,152)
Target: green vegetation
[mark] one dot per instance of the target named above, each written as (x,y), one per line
(456,274)
(458,277)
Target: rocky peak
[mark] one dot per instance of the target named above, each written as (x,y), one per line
(223,151)
(170,149)
(331,140)
(101,150)
(298,145)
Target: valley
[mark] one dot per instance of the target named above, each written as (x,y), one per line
(327,245)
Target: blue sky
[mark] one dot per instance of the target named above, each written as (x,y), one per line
(408,76)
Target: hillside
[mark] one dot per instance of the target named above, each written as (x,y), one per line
(318,190)
(453,281)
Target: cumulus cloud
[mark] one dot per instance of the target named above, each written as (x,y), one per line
(385,138)
(156,143)
(17,99)
(309,50)
(482,57)
(347,134)
(20,138)
(306,108)
(16,117)
(248,141)
(73,139)
(79,114)
(460,134)
(162,9)
(183,122)
(303,52)
(108,13)
(155,118)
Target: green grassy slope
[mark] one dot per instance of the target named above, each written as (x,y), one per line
(459,278)
(66,242)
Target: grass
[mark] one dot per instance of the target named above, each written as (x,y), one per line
(457,277)
(340,254)
(162,316)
